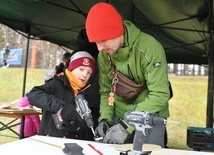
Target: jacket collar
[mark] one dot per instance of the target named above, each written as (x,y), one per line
(123,53)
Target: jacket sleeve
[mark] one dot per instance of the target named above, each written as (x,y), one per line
(43,96)
(156,79)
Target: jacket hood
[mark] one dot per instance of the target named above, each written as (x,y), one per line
(130,28)
(123,53)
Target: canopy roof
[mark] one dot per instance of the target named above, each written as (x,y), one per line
(182,26)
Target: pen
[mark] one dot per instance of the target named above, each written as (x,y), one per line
(100,153)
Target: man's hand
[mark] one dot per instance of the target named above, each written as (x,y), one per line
(118,134)
(101,129)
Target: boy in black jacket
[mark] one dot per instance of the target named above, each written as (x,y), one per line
(59,95)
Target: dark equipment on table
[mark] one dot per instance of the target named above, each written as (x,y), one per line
(200,138)
(72,149)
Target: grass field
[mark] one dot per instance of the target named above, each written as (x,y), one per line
(188,105)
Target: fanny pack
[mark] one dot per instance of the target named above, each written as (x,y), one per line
(124,87)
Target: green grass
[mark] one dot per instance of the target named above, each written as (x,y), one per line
(11,82)
(188,105)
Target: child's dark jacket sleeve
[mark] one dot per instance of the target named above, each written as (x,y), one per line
(45,97)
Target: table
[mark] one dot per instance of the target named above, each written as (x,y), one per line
(17,113)
(42,145)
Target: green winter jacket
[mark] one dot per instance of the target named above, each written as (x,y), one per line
(146,59)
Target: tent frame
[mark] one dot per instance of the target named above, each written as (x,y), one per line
(210,93)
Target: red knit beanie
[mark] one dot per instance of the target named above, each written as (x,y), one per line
(81,58)
(103,23)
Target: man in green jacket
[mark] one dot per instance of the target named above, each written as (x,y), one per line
(138,56)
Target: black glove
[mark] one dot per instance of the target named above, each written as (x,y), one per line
(119,134)
(101,129)
(72,120)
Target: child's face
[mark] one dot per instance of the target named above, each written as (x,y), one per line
(82,74)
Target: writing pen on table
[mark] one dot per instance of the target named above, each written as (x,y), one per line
(91,146)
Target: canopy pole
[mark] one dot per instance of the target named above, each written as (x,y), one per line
(28,27)
(210,94)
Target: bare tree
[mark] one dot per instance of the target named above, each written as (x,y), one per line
(48,54)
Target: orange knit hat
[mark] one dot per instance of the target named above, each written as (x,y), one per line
(103,23)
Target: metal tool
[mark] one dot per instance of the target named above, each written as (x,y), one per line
(58,119)
(143,123)
(84,111)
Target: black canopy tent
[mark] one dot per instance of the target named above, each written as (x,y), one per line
(183,27)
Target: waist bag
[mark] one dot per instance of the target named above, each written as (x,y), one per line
(125,87)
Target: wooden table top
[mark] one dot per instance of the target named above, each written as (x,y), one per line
(19,112)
